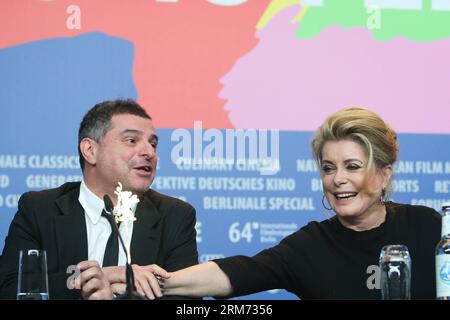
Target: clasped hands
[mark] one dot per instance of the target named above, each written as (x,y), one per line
(98,283)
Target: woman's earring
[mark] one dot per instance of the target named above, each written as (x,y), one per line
(323,203)
(383,196)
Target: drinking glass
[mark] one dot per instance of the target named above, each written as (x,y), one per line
(395,267)
(32,283)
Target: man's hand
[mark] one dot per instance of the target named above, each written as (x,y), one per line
(93,282)
(118,288)
(147,279)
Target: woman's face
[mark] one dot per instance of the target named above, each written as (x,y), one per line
(343,172)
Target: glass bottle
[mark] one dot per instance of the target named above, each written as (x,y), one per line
(443,257)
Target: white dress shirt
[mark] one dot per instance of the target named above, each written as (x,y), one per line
(98,227)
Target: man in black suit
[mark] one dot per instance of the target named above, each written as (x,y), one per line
(117,143)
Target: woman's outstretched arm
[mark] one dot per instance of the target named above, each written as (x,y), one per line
(201,280)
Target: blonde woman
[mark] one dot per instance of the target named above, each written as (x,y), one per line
(334,259)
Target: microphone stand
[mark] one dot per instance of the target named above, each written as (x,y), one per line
(130,293)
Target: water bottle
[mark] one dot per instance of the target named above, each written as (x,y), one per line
(443,257)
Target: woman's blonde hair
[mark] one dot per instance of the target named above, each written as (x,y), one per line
(364,127)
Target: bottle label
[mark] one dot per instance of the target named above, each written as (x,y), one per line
(445,225)
(443,275)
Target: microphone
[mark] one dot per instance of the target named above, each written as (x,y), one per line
(130,293)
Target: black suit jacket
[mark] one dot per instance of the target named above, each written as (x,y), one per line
(54,220)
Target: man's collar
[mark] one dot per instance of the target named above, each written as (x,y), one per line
(92,205)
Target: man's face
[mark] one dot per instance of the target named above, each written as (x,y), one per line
(127,155)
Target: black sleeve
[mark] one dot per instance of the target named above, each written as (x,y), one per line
(428,235)
(273,268)
(24,233)
(181,250)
